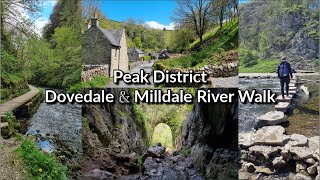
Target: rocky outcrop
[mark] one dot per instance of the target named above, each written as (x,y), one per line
(114,127)
(210,132)
(113,136)
(289,30)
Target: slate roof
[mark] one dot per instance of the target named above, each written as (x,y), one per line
(114,36)
(138,50)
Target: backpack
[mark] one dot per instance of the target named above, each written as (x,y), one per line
(284,70)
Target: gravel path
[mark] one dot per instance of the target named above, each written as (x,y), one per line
(11,166)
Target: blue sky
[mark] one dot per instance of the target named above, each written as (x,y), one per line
(156,13)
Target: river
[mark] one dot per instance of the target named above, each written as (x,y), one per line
(302,120)
(57,121)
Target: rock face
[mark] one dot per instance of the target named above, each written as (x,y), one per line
(115,125)
(112,138)
(270,119)
(295,29)
(211,132)
(156,151)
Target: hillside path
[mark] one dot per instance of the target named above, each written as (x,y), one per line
(14,103)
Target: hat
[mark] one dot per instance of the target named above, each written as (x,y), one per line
(283,58)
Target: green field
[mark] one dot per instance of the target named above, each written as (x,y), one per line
(262,66)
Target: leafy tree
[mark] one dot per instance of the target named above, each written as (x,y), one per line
(194,12)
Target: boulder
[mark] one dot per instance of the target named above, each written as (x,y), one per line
(310,161)
(301,153)
(301,177)
(278,162)
(152,168)
(264,170)
(249,167)
(265,150)
(156,151)
(312,169)
(270,135)
(270,119)
(298,140)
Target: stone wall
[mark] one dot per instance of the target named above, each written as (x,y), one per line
(91,71)
(96,48)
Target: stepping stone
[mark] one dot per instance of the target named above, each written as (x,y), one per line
(292,92)
(286,98)
(292,85)
(282,106)
(269,135)
(270,119)
(293,88)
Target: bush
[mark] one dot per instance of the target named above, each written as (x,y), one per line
(39,164)
(248,58)
(97,82)
(145,58)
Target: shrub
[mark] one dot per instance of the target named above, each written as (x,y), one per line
(39,164)
(248,58)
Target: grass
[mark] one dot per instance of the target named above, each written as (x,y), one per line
(262,66)
(206,36)
(40,165)
(97,82)
(224,39)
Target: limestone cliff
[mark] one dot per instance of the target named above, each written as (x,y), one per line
(211,132)
(275,28)
(114,127)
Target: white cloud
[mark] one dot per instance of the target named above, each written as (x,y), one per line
(156,25)
(50,3)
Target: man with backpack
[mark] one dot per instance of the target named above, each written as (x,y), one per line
(284,74)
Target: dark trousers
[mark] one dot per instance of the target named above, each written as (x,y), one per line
(284,80)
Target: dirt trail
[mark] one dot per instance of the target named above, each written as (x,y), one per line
(11,167)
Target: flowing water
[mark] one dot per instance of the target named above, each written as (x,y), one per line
(302,120)
(57,121)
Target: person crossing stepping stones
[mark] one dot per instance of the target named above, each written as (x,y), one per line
(284,74)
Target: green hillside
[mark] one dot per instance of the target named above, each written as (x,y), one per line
(216,42)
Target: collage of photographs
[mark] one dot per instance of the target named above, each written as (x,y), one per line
(153,47)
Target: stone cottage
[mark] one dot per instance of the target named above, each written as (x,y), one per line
(104,48)
(134,54)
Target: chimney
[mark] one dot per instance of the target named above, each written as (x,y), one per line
(95,21)
(87,26)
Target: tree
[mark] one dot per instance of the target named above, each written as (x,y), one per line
(194,12)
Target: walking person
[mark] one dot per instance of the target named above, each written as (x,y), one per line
(284,74)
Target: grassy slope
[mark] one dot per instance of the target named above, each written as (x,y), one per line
(225,38)
(263,66)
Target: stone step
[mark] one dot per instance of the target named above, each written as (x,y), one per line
(285,99)
(293,92)
(282,106)
(293,81)
(293,88)
(292,85)
(270,119)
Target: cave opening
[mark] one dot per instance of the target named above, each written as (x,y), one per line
(162,133)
